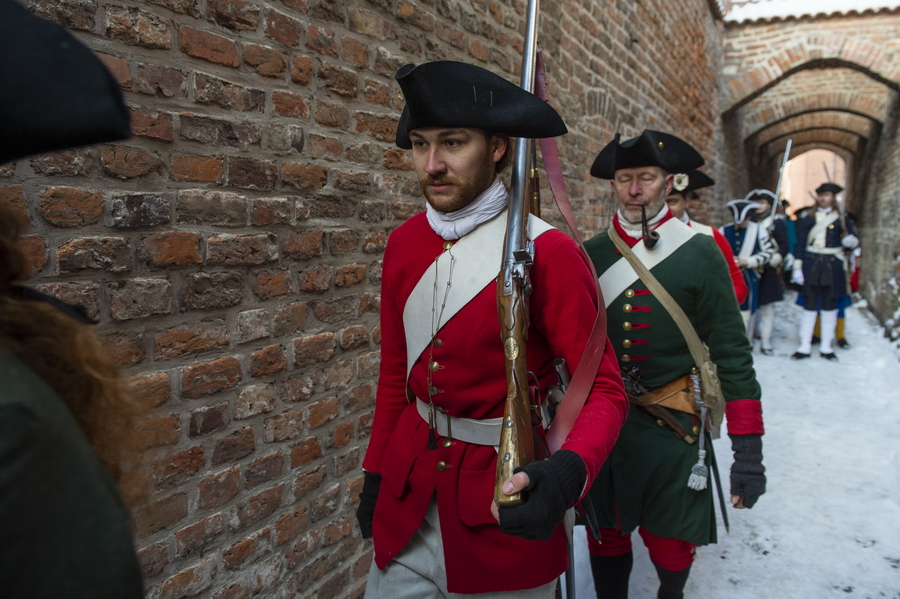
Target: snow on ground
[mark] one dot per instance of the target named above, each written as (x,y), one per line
(829,524)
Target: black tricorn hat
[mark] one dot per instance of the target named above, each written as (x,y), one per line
(691,181)
(651,148)
(445,93)
(760,194)
(54,92)
(740,209)
(832,187)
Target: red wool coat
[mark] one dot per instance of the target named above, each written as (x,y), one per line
(478,556)
(737,278)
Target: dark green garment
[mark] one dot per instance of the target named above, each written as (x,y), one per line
(64,531)
(644,481)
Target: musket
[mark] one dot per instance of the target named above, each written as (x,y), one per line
(516,448)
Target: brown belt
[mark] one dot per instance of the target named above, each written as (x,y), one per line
(677,395)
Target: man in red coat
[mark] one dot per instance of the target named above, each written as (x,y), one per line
(430,467)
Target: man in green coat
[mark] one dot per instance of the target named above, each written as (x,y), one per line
(644,483)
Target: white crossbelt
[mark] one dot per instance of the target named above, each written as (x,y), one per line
(468,430)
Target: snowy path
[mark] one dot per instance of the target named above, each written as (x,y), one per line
(829,525)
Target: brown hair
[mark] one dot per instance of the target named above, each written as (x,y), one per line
(67,355)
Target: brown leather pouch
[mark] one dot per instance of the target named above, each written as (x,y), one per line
(677,395)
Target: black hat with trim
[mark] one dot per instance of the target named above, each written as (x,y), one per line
(445,93)
(651,148)
(761,194)
(741,209)
(54,92)
(691,181)
(832,187)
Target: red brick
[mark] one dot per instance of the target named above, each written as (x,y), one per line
(237,590)
(252,174)
(211,291)
(241,250)
(322,147)
(174,248)
(177,468)
(190,339)
(263,470)
(231,132)
(316,348)
(155,389)
(415,16)
(205,207)
(266,361)
(284,426)
(272,284)
(234,447)
(234,14)
(257,508)
(194,539)
(303,549)
(375,92)
(316,279)
(160,80)
(282,28)
(147,125)
(253,325)
(325,504)
(290,319)
(208,420)
(135,27)
(307,481)
(304,453)
(323,412)
(160,514)
(343,434)
(208,46)
(290,525)
(386,63)
(381,127)
(358,398)
(112,254)
(332,115)
(271,211)
(118,67)
(236,556)
(34,248)
(340,80)
(301,72)
(369,303)
(210,377)
(343,241)
(321,40)
(14,199)
(364,425)
(354,337)
(189,582)
(349,275)
(255,399)
(232,96)
(267,61)
(303,246)
(371,24)
(288,104)
(367,364)
(354,52)
(67,207)
(336,531)
(153,559)
(127,163)
(216,490)
(348,181)
(198,169)
(299,389)
(302,176)
(397,159)
(338,375)
(124,349)
(335,311)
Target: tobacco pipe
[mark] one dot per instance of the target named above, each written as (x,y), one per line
(650,237)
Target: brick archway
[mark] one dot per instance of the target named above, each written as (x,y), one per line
(832,119)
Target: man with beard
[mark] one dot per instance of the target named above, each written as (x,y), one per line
(645,482)
(821,269)
(684,190)
(430,467)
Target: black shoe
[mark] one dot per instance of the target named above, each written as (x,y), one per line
(768,352)
(830,357)
(843,344)
(815,340)
(799,356)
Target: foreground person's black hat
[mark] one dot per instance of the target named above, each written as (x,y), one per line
(54,92)
(456,94)
(832,187)
(691,181)
(651,148)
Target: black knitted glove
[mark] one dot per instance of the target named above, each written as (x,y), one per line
(556,485)
(366,510)
(748,475)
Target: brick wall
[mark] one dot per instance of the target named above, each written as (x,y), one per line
(231,250)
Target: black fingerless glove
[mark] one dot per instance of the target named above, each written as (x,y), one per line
(367,498)
(556,485)
(748,475)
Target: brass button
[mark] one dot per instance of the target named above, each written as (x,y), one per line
(441,466)
(626,344)
(696,430)
(448,245)
(446,442)
(434,366)
(661,145)
(629,293)
(626,326)
(660,422)
(438,343)
(626,308)
(432,390)
(626,358)
(830,226)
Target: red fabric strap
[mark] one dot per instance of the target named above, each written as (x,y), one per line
(744,417)
(586,372)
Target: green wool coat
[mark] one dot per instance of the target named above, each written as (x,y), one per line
(644,481)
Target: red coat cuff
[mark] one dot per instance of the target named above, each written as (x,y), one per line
(744,417)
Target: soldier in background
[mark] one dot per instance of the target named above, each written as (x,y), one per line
(771,289)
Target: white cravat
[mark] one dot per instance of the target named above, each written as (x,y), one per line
(635,230)
(453,225)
